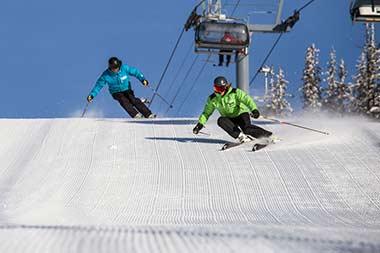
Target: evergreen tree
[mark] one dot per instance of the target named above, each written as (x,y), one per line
(270,105)
(284,106)
(278,104)
(372,68)
(343,90)
(311,90)
(330,102)
(359,87)
(272,80)
(366,86)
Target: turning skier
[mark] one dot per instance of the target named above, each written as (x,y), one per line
(117,78)
(235,107)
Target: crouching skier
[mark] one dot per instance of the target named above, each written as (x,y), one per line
(117,78)
(235,107)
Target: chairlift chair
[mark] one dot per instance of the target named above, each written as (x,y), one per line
(365,10)
(221,35)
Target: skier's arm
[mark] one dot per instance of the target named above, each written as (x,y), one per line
(246,99)
(207,111)
(135,72)
(100,83)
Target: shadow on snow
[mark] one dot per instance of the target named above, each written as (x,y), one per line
(183,139)
(179,121)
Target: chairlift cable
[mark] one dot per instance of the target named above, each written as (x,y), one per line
(182,64)
(178,72)
(189,70)
(236,5)
(303,7)
(195,81)
(266,58)
(199,74)
(171,57)
(199,4)
(275,44)
(167,65)
(183,81)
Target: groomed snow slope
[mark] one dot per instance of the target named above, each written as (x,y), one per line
(117,185)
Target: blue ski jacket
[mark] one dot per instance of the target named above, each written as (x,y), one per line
(117,82)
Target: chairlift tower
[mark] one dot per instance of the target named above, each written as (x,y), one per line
(266,70)
(212,25)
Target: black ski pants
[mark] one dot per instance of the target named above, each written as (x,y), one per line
(131,104)
(228,57)
(233,126)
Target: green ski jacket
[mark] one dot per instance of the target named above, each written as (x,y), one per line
(233,103)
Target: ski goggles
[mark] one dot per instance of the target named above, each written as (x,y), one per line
(220,89)
(113,67)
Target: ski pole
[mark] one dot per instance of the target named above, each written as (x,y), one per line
(163,99)
(207,134)
(295,125)
(85,109)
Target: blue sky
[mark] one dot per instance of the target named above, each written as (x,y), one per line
(53,52)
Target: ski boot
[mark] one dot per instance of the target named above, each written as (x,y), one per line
(244,138)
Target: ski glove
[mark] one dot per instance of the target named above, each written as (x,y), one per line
(89,98)
(255,114)
(145,82)
(197,128)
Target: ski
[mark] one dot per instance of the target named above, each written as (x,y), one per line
(229,145)
(264,142)
(257,143)
(258,146)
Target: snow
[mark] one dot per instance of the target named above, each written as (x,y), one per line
(122,185)
(375,109)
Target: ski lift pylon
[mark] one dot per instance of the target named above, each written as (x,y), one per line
(365,10)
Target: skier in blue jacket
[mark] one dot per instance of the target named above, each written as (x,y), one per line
(117,79)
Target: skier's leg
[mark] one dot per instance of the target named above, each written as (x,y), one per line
(136,102)
(228,58)
(221,58)
(229,126)
(244,121)
(257,131)
(125,103)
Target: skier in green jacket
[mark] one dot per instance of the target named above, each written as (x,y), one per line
(235,107)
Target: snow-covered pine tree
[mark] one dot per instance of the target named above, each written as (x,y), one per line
(372,68)
(359,86)
(271,79)
(366,85)
(343,90)
(270,106)
(279,104)
(311,90)
(375,109)
(331,92)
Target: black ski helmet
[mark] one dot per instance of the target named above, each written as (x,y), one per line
(220,81)
(114,63)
